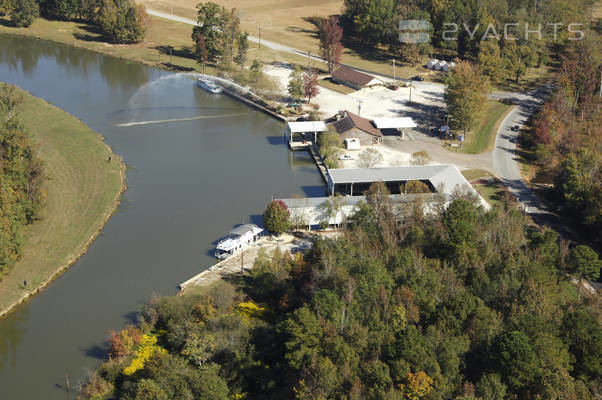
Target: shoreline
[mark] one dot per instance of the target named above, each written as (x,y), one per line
(161,66)
(64,267)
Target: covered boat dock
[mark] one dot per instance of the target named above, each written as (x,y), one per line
(302,129)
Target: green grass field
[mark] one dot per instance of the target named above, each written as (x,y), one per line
(83,190)
(483,137)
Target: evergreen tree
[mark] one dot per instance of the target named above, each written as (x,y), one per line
(24,12)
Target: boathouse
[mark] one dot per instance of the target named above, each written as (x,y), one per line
(352,126)
(238,239)
(301,130)
(444,179)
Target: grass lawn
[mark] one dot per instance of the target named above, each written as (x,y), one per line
(162,35)
(472,174)
(337,87)
(491,191)
(83,190)
(483,137)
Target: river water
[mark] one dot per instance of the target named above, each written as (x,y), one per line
(190,182)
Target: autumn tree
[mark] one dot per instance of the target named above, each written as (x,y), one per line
(330,35)
(276,217)
(310,84)
(417,386)
(466,95)
(211,27)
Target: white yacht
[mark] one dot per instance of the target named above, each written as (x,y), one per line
(209,86)
(238,239)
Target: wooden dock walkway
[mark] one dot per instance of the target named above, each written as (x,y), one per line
(319,163)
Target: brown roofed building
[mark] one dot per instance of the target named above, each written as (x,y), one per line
(352,126)
(353,78)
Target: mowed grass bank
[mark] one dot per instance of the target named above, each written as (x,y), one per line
(483,137)
(83,189)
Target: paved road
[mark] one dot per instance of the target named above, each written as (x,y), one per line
(505,163)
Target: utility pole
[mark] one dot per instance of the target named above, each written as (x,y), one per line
(410,92)
(260,36)
(394,75)
(242,262)
(359,107)
(171,6)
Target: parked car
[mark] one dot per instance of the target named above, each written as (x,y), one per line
(293,105)
(417,78)
(393,87)
(304,117)
(346,157)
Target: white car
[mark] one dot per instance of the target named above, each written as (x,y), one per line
(346,157)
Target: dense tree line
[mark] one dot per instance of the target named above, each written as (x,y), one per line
(567,135)
(475,27)
(21,177)
(120,21)
(457,304)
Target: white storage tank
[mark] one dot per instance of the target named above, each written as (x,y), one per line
(439,66)
(431,64)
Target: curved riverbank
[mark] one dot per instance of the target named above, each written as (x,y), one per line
(83,191)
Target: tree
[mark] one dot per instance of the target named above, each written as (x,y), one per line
(417,386)
(276,217)
(24,12)
(584,262)
(372,22)
(243,47)
(330,36)
(122,21)
(211,21)
(295,84)
(369,158)
(466,95)
(516,360)
(256,70)
(409,52)
(200,49)
(491,61)
(459,220)
(581,331)
(310,84)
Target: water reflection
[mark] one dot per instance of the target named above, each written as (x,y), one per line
(24,56)
(12,330)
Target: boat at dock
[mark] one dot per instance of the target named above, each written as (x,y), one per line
(209,85)
(238,239)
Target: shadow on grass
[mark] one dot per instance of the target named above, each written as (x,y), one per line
(92,34)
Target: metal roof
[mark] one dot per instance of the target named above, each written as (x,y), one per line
(394,123)
(350,75)
(307,126)
(243,229)
(444,177)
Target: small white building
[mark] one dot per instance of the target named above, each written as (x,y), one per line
(352,144)
(238,239)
